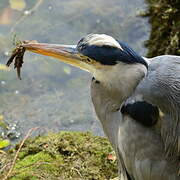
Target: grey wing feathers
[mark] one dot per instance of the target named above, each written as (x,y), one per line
(161,87)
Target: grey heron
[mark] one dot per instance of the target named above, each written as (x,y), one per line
(136,99)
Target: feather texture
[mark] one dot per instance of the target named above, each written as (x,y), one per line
(146,153)
(161,87)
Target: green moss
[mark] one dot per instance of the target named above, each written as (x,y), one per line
(4,143)
(164,19)
(35,165)
(65,155)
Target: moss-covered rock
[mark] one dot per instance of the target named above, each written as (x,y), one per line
(165,27)
(65,155)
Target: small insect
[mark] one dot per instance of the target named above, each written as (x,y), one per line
(17,54)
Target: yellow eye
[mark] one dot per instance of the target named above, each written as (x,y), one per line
(89,60)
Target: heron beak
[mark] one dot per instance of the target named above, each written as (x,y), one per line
(65,53)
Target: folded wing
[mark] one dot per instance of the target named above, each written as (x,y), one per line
(161,87)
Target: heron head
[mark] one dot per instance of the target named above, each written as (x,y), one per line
(93,53)
(111,62)
(107,51)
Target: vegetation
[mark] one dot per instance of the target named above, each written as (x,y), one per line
(165,27)
(65,155)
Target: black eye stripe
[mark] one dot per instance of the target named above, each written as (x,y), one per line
(81,47)
(108,55)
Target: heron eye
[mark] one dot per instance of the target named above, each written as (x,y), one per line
(89,60)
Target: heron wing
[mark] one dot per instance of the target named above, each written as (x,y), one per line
(161,87)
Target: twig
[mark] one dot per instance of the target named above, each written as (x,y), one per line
(17,153)
(39,176)
(5,166)
(77,171)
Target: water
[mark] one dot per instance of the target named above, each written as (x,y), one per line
(53,95)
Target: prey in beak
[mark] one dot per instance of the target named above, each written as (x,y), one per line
(65,53)
(94,53)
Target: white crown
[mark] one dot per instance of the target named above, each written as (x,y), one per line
(102,39)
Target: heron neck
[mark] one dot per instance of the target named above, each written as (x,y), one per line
(121,80)
(109,92)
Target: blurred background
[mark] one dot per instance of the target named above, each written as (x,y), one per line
(51,94)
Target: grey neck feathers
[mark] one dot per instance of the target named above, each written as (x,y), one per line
(120,80)
(116,85)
